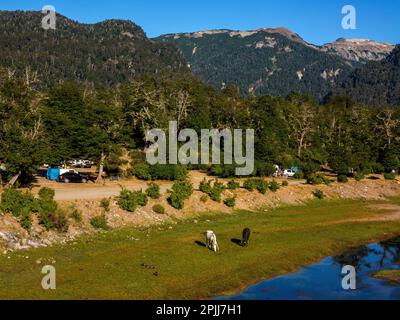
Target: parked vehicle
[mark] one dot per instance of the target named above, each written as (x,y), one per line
(73,177)
(81,163)
(290,173)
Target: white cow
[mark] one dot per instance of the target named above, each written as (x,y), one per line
(211,241)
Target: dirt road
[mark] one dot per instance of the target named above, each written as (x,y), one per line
(91,191)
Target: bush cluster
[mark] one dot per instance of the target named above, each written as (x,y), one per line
(390,176)
(260,185)
(274,186)
(153,191)
(319,194)
(158,208)
(23,204)
(76,215)
(99,222)
(130,200)
(147,172)
(181,190)
(318,178)
(230,202)
(50,216)
(105,204)
(233,185)
(213,190)
(359,176)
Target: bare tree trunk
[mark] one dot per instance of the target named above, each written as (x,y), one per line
(13,180)
(99,179)
(301,144)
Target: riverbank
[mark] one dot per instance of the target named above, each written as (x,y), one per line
(169,261)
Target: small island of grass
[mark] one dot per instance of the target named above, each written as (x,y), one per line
(392,276)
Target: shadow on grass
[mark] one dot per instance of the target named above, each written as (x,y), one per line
(237,242)
(200,244)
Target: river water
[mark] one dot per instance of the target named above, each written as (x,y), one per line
(323,281)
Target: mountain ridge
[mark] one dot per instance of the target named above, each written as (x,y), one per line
(105,53)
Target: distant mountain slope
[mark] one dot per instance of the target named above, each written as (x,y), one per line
(265,61)
(376,83)
(109,52)
(273,61)
(359,50)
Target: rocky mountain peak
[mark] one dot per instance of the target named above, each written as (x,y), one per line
(359,50)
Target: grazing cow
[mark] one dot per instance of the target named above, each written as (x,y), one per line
(246,237)
(211,241)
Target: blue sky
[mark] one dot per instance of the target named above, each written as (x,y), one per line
(317,21)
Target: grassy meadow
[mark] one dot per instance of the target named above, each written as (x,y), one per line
(170,262)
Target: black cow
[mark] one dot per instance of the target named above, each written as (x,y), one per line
(246,237)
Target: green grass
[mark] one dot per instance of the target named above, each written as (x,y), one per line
(109,265)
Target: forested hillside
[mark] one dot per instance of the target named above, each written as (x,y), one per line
(266,61)
(106,53)
(376,83)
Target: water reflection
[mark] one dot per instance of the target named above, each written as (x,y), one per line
(322,281)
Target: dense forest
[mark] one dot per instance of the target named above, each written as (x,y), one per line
(69,121)
(106,53)
(377,83)
(260,62)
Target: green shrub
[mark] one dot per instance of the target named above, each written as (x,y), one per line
(390,176)
(359,176)
(76,215)
(230,202)
(53,218)
(17,203)
(299,175)
(169,172)
(158,208)
(261,186)
(285,183)
(309,168)
(46,194)
(250,185)
(142,171)
(274,186)
(205,186)
(183,188)
(175,201)
(153,191)
(319,194)
(204,198)
(22,205)
(256,184)
(216,191)
(377,168)
(99,222)
(181,191)
(25,219)
(233,185)
(342,179)
(318,178)
(129,201)
(105,204)
(223,171)
(141,198)
(264,169)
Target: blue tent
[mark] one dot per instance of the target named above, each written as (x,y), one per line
(53,174)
